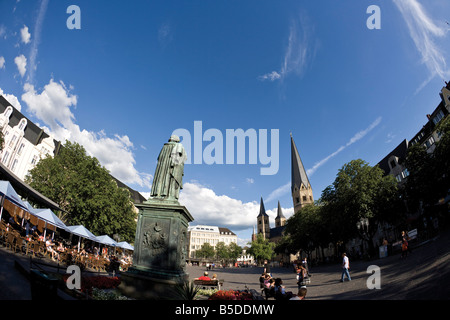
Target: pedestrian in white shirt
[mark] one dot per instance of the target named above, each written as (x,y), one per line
(345,267)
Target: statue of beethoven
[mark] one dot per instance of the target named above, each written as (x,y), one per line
(169,172)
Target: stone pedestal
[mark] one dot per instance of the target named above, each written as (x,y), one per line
(160,250)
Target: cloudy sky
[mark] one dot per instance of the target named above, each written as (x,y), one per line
(137,71)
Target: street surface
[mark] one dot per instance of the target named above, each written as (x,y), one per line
(423,275)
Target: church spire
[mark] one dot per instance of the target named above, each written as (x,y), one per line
(300,186)
(263,221)
(262,210)
(298,173)
(280,220)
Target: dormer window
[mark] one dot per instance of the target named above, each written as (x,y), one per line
(22,124)
(8,112)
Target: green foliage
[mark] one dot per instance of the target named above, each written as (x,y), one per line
(86,191)
(359,192)
(228,252)
(186,290)
(429,173)
(261,249)
(206,251)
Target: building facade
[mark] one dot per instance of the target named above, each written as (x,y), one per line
(25,144)
(200,234)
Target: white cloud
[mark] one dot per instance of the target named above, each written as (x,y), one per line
(299,51)
(272,76)
(12,99)
(21,63)
(25,35)
(2,62)
(37,38)
(53,107)
(218,210)
(250,180)
(424,32)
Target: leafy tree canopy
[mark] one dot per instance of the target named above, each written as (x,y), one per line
(85,191)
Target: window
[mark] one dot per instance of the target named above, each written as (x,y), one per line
(20,149)
(405,173)
(34,160)
(304,198)
(398,178)
(429,142)
(8,112)
(13,168)
(22,124)
(297,199)
(392,164)
(5,157)
(438,117)
(13,140)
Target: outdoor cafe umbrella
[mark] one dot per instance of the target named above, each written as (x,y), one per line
(105,239)
(8,192)
(125,245)
(49,217)
(82,232)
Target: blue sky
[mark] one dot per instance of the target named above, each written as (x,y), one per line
(135,72)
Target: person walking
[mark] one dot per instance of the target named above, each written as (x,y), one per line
(345,267)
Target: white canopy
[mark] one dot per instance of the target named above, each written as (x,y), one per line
(81,231)
(105,239)
(8,191)
(125,245)
(48,216)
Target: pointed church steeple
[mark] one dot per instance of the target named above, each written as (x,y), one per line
(280,220)
(263,221)
(300,186)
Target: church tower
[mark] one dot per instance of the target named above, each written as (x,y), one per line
(302,194)
(280,220)
(263,221)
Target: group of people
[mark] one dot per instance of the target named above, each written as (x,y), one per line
(273,287)
(206,277)
(56,249)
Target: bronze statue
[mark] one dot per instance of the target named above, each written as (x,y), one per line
(169,172)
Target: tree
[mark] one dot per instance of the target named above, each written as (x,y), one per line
(360,192)
(234,250)
(305,230)
(261,249)
(85,191)
(429,173)
(206,251)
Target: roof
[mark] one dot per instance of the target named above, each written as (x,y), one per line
(280,212)
(399,152)
(25,190)
(262,210)
(276,232)
(226,231)
(32,132)
(136,197)
(298,172)
(204,228)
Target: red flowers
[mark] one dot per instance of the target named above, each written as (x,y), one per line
(231,295)
(100,282)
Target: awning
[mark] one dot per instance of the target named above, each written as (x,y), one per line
(6,189)
(30,193)
(105,239)
(125,245)
(81,231)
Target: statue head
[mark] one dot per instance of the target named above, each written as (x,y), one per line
(174,138)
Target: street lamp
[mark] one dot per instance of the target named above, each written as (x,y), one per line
(363,226)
